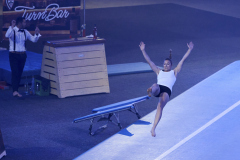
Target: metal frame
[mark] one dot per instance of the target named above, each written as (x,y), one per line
(111,110)
(133,109)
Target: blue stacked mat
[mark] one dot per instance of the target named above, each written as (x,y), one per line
(34,62)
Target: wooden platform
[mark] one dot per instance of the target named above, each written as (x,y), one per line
(75,67)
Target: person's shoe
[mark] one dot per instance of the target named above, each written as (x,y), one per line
(149,91)
(16,94)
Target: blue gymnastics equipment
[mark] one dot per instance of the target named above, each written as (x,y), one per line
(111,110)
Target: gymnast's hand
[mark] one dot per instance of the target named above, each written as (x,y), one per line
(142,46)
(190,45)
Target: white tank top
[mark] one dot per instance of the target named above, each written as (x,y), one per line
(166,79)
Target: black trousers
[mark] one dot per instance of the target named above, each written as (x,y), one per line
(17,63)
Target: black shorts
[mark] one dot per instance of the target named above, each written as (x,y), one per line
(164,89)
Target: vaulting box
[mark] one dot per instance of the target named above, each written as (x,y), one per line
(75,67)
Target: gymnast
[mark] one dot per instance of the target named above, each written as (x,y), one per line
(165,81)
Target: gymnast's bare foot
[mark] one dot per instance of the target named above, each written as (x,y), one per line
(153,132)
(149,91)
(16,94)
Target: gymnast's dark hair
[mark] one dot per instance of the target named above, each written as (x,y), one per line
(170,57)
(19,20)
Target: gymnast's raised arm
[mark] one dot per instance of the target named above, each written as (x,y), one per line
(179,66)
(151,64)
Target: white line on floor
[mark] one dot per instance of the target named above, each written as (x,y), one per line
(198,131)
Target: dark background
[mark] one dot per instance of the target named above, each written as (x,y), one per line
(42,128)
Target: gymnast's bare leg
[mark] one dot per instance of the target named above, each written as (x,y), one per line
(153,90)
(163,99)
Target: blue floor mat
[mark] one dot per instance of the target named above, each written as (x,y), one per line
(34,61)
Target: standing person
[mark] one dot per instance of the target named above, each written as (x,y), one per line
(17,51)
(165,81)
